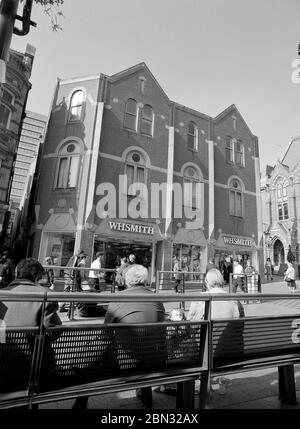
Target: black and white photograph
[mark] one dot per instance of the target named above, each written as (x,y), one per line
(149,209)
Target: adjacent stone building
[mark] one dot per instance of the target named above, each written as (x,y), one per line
(280,190)
(13,100)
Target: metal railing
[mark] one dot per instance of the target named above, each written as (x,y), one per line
(249,283)
(189,280)
(73,297)
(75,279)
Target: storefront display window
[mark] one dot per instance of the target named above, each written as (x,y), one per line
(60,247)
(189,257)
(113,251)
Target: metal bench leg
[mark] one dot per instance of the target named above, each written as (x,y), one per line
(80,403)
(185,396)
(204,390)
(286,384)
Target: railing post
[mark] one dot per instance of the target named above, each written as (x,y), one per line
(72,304)
(230,282)
(113,285)
(157,281)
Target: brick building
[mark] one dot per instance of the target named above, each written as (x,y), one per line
(115,148)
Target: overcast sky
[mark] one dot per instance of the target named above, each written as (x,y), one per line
(205,54)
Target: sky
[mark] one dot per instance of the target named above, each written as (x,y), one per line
(205,54)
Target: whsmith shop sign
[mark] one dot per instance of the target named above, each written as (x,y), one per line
(131,227)
(238,241)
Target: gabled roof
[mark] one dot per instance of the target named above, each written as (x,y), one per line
(229,110)
(278,169)
(269,170)
(289,146)
(134,69)
(190,110)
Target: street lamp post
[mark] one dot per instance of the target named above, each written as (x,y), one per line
(8,16)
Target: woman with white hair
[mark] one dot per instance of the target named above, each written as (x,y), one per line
(136,279)
(219,309)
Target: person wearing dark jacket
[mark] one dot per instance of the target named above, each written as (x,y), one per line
(136,278)
(25,313)
(6,271)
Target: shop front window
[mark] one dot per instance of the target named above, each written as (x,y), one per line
(60,247)
(189,258)
(113,251)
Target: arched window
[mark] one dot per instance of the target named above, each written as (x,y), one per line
(190,177)
(76,106)
(130,119)
(147,120)
(192,136)
(7,101)
(135,169)
(282,201)
(235,198)
(68,166)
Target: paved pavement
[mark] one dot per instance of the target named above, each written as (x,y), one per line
(248,390)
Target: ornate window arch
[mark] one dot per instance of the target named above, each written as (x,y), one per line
(68,165)
(76,105)
(236,197)
(191,176)
(281,185)
(135,170)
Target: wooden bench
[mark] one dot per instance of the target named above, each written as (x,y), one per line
(71,361)
(251,343)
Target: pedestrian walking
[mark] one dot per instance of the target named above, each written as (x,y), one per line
(252,278)
(289,277)
(237,280)
(95,275)
(177,276)
(73,278)
(269,269)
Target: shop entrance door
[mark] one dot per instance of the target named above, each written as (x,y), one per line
(142,252)
(113,251)
(278,253)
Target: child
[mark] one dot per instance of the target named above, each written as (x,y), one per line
(174,336)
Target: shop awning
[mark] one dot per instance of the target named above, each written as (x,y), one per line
(120,229)
(190,236)
(235,243)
